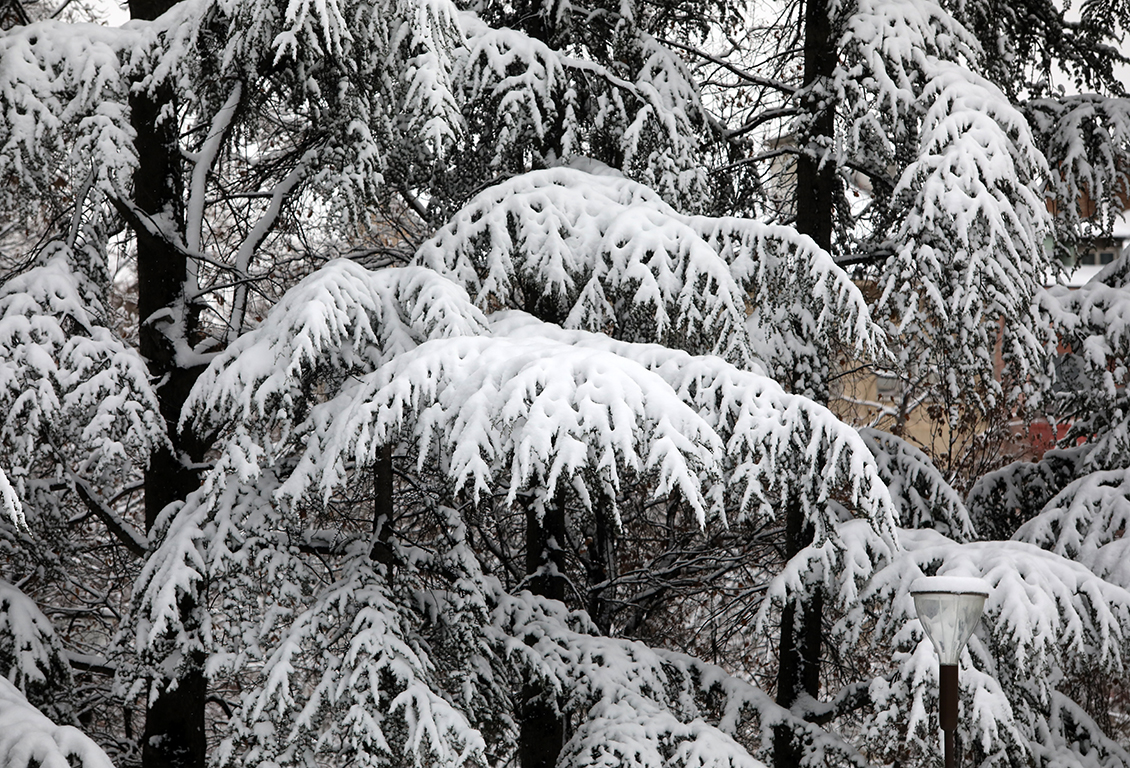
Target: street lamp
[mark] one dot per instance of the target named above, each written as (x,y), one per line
(949,607)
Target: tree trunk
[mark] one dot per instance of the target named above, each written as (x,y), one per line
(816,167)
(174,723)
(542,733)
(601,566)
(799,648)
(383,487)
(798,653)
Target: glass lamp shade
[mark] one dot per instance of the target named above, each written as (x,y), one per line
(949,608)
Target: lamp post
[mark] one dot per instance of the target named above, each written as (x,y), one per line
(949,607)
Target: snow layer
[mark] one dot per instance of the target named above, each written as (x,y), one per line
(955,585)
(28,739)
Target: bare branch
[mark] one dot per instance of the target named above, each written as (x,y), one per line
(746,75)
(121,529)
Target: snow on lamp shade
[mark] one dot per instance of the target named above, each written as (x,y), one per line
(949,607)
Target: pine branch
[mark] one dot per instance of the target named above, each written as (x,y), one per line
(96,664)
(850,698)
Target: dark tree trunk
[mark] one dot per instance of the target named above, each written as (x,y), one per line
(542,731)
(799,649)
(545,557)
(383,487)
(174,723)
(798,671)
(600,563)
(816,168)
(174,720)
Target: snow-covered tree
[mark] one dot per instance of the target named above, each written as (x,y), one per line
(445,512)
(911,165)
(926,139)
(1072,502)
(916,139)
(1080,511)
(354,369)
(594,251)
(230,136)
(1049,623)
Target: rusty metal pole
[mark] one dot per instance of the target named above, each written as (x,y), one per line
(947,709)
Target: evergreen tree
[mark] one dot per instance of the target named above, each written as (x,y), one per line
(459,510)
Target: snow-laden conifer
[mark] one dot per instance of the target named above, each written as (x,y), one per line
(31,656)
(74,395)
(1085,511)
(920,493)
(595,251)
(644,706)
(591,82)
(943,200)
(969,244)
(29,739)
(1085,522)
(64,94)
(1094,327)
(375,658)
(368,84)
(1086,138)
(269,395)
(536,406)
(805,313)
(353,676)
(598,252)
(528,414)
(1003,500)
(336,626)
(350,363)
(342,321)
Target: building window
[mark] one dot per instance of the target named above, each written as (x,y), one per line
(1095,258)
(887,387)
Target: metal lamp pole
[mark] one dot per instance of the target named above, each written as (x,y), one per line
(949,607)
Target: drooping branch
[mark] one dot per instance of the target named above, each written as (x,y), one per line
(849,699)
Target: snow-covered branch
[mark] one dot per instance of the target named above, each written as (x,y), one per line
(29,739)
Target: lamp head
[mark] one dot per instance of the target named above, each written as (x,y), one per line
(949,607)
